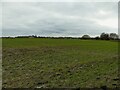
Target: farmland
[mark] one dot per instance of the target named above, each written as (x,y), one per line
(40,62)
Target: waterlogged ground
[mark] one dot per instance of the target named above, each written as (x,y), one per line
(59,63)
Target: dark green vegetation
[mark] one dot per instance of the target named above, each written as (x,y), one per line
(36,62)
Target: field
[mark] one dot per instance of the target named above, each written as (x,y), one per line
(41,63)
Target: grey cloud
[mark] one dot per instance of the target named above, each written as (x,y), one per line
(52,19)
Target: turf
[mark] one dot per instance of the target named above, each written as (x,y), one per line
(41,63)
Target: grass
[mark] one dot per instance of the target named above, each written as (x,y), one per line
(36,62)
(0,63)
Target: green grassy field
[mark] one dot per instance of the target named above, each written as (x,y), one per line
(35,62)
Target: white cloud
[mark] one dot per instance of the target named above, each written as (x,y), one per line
(112,23)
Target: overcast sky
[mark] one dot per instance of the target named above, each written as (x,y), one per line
(59,18)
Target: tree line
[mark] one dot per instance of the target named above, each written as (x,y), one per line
(103,36)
